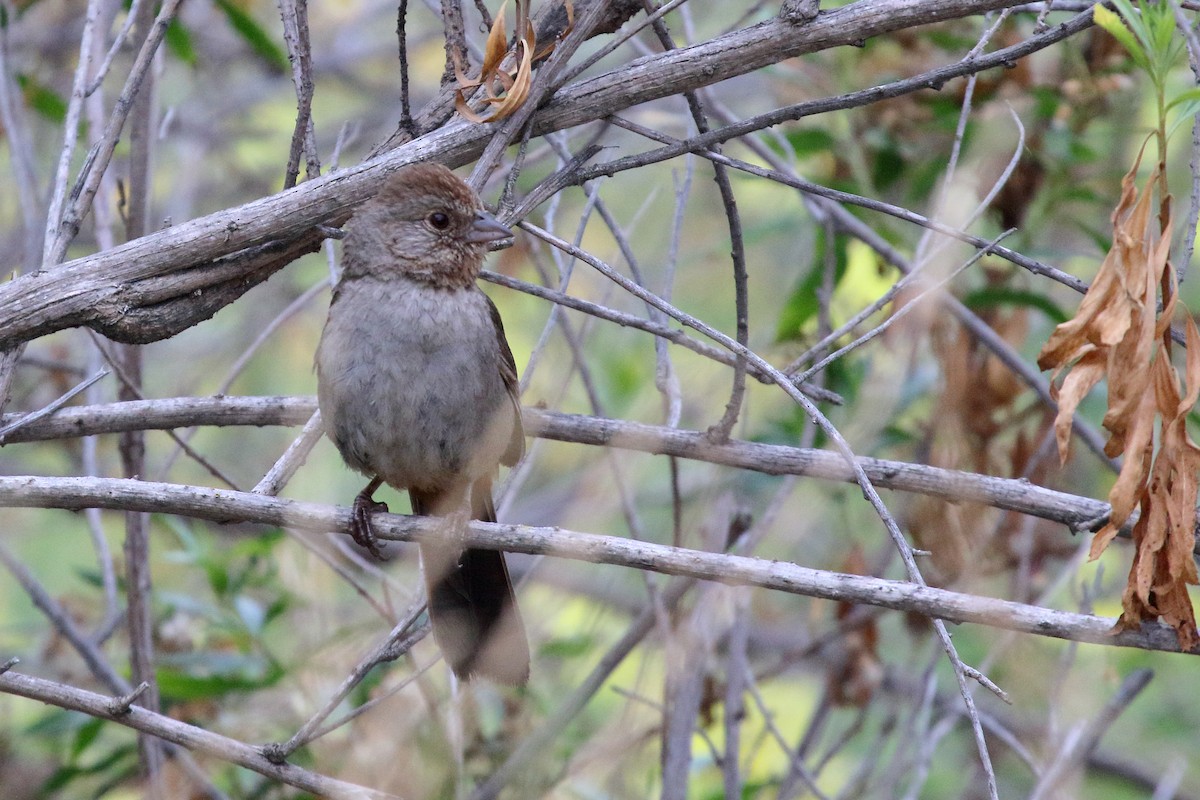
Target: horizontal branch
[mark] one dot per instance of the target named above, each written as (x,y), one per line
(261,236)
(772,459)
(227,506)
(182,734)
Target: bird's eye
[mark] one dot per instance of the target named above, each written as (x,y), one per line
(439,220)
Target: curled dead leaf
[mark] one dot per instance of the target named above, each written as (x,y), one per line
(1118,335)
(506,73)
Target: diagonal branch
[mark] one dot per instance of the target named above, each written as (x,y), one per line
(189,736)
(94,290)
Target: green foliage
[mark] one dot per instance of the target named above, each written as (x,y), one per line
(1147,32)
(90,758)
(42,99)
(996,296)
(567,647)
(260,42)
(179,42)
(211,675)
(231,655)
(113,768)
(802,304)
(809,141)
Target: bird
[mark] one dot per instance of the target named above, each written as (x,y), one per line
(417,387)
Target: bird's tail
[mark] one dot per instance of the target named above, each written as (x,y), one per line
(472,606)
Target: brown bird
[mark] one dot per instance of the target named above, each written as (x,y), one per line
(418,389)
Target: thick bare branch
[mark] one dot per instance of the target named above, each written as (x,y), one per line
(180,412)
(219,505)
(95,290)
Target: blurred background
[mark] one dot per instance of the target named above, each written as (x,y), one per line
(254,630)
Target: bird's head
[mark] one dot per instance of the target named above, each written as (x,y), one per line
(425,223)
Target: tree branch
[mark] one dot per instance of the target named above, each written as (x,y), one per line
(772,459)
(224,506)
(88,291)
(189,736)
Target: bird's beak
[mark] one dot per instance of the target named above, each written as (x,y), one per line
(487,228)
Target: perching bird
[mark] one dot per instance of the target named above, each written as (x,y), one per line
(418,389)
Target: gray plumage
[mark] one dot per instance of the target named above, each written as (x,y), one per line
(418,388)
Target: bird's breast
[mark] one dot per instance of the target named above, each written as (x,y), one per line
(409,383)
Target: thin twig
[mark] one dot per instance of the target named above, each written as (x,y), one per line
(796,182)
(294,14)
(98,160)
(239,364)
(1078,748)
(899,313)
(403,636)
(406,118)
(455,38)
(128,382)
(721,431)
(535,745)
(21,153)
(50,407)
(87,41)
(861,478)
(1184,262)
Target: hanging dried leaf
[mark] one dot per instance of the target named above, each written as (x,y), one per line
(854,669)
(1163,563)
(506,88)
(1117,335)
(969,428)
(1115,303)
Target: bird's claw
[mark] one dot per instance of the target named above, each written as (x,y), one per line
(361,529)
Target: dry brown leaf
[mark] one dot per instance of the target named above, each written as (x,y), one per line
(1118,335)
(505,88)
(854,670)
(1163,564)
(497,42)
(970,428)
(1096,337)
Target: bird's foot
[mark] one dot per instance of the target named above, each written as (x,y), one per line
(360,522)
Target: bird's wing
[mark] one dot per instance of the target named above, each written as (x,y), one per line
(508,372)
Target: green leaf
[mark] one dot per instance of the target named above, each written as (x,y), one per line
(178,685)
(86,734)
(802,305)
(123,759)
(1162,21)
(567,646)
(809,141)
(258,39)
(1113,24)
(1136,22)
(1187,112)
(179,42)
(1046,101)
(1190,96)
(999,296)
(42,99)
(887,166)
